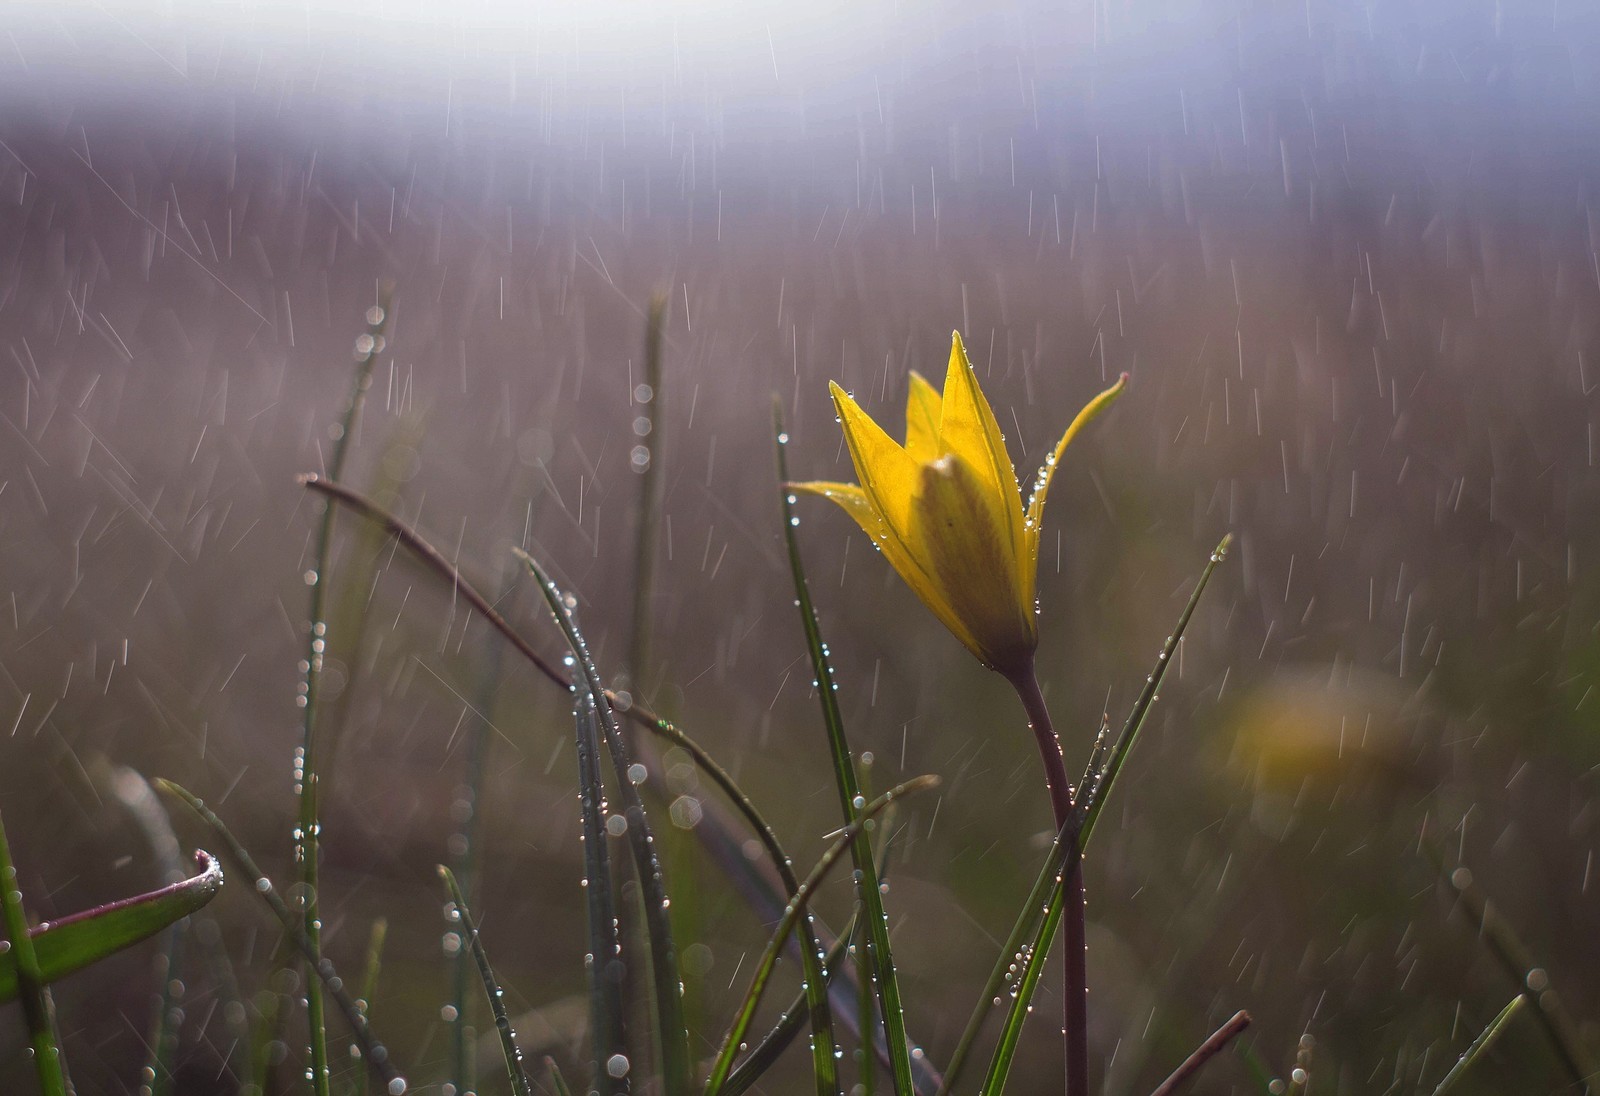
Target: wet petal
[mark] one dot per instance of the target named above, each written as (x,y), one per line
(854,501)
(1041,485)
(961,536)
(967,428)
(923,408)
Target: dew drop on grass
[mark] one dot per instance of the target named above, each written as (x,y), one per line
(617,1065)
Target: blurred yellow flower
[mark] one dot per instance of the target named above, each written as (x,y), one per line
(946,510)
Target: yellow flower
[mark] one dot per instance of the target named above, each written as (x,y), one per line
(946,510)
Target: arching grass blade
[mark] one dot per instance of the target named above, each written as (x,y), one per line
(671,1033)
(491,987)
(880,958)
(846,841)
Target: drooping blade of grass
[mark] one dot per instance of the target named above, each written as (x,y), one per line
(491,987)
(640,713)
(308,828)
(714,835)
(29,979)
(880,958)
(72,943)
(373,1052)
(607,1016)
(795,910)
(1486,1039)
(672,1036)
(1090,801)
(1518,963)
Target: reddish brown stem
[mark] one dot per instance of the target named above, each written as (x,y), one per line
(1204,1053)
(1075,1011)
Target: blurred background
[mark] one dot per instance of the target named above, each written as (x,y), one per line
(1347,251)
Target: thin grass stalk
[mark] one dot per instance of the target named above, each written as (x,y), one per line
(491,987)
(766,1052)
(607,1015)
(647,464)
(373,1051)
(880,958)
(369,982)
(714,835)
(647,398)
(671,1032)
(1517,961)
(846,840)
(308,829)
(47,1065)
(1090,802)
(1480,1046)
(1203,1054)
(465,862)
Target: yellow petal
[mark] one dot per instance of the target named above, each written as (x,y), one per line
(887,473)
(1041,484)
(923,408)
(853,501)
(968,554)
(967,428)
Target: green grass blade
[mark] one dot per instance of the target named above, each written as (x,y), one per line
(647,400)
(502,1022)
(308,828)
(880,958)
(710,830)
(1517,961)
(373,1052)
(672,1035)
(1486,1039)
(758,982)
(766,1052)
(713,834)
(369,979)
(72,943)
(1067,851)
(607,1015)
(1147,696)
(29,979)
